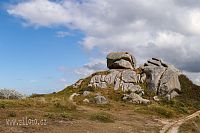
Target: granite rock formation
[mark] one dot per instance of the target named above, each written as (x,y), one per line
(158,76)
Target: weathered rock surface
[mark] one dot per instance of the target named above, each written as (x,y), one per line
(120,60)
(153,73)
(71,97)
(129,76)
(86,93)
(135,98)
(100,99)
(162,78)
(120,79)
(169,82)
(78,83)
(156,98)
(86,100)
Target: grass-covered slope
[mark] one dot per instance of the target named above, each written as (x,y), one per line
(187,102)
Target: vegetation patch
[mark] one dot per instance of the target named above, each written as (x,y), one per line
(191,126)
(49,115)
(157,109)
(66,115)
(102,117)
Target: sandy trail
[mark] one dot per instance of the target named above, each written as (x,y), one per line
(173,126)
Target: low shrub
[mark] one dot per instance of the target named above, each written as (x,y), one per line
(102,117)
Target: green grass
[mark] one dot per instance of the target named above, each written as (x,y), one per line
(158,110)
(67,115)
(102,117)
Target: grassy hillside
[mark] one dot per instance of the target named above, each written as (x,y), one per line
(186,103)
(56,107)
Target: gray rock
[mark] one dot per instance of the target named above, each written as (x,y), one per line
(86,101)
(173,94)
(90,85)
(154,74)
(71,97)
(138,78)
(162,78)
(120,60)
(78,83)
(143,78)
(100,99)
(117,83)
(155,98)
(86,93)
(110,78)
(129,76)
(154,62)
(124,79)
(121,64)
(136,88)
(169,82)
(102,85)
(135,98)
(95,79)
(124,86)
(103,78)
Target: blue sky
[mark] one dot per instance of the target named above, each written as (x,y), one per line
(47,44)
(31,57)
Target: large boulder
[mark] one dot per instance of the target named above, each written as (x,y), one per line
(120,60)
(169,83)
(120,79)
(153,74)
(162,78)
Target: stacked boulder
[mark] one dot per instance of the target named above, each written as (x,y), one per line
(121,75)
(120,60)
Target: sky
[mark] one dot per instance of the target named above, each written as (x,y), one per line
(46,45)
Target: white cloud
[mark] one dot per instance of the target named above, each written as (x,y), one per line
(146,28)
(194,19)
(195,77)
(91,67)
(40,12)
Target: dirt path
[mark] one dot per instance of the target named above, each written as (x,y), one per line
(173,126)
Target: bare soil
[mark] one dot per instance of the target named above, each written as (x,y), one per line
(125,121)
